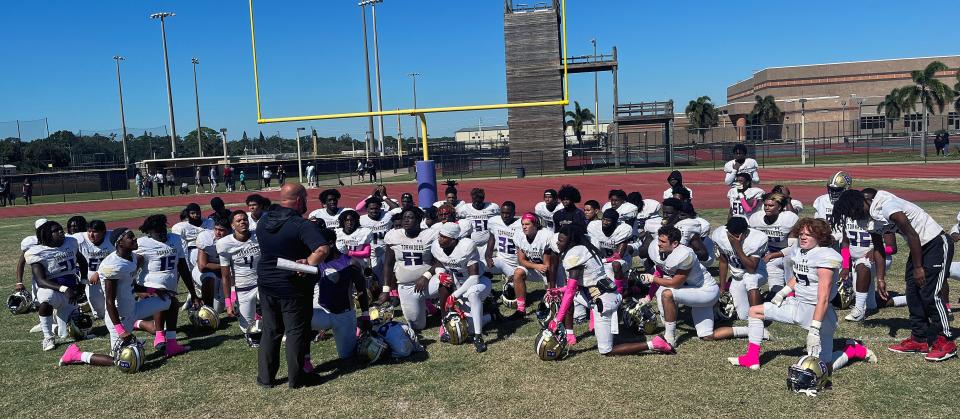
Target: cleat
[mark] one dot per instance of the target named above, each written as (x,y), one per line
(871,357)
(660,345)
(172,349)
(856,315)
(942,350)
(740,361)
(252,341)
(909,345)
(479,344)
(36,328)
(307,365)
(48,344)
(71,355)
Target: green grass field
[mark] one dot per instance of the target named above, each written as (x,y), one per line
(217,377)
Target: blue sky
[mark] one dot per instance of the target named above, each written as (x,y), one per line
(57,55)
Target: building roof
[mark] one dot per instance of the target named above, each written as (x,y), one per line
(486,128)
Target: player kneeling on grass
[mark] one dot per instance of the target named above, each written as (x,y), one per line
(407,258)
(164,262)
(532,243)
(612,237)
(501,250)
(118,275)
(457,267)
(741,259)
(682,279)
(239,254)
(583,265)
(54,262)
(94,249)
(207,273)
(813,282)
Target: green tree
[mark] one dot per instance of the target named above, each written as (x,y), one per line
(701,114)
(765,111)
(211,143)
(894,105)
(956,92)
(576,119)
(929,91)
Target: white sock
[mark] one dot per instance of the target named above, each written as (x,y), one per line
(670,332)
(170,334)
(569,331)
(860,300)
(46,325)
(740,331)
(649,345)
(839,360)
(218,306)
(85,357)
(755,332)
(900,301)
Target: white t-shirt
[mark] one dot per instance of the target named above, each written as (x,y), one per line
(755,244)
(161,261)
(353,241)
(331,221)
(778,231)
(805,264)
(533,250)
(480,219)
(503,235)
(608,244)
(681,258)
(459,260)
(580,256)
(886,204)
(412,255)
(546,214)
(241,257)
(123,272)
(733,195)
(749,166)
(59,263)
(94,254)
(206,243)
(27,243)
(251,223)
(188,233)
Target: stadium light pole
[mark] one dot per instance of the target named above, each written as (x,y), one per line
(596,96)
(376,67)
(416,121)
(366,67)
(196,96)
(223,132)
(803,124)
(123,119)
(166,63)
(299,161)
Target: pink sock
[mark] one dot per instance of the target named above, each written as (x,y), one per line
(590,325)
(257,316)
(752,357)
(522,304)
(652,292)
(159,338)
(856,352)
(619,283)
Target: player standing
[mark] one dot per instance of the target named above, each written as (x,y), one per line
(479,214)
(740,164)
(238,254)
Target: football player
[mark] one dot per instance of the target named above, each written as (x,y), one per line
(207,271)
(406,202)
(611,237)
(931,252)
(583,265)
(54,262)
(256,205)
(532,243)
(813,283)
(547,207)
(744,198)
(76,224)
(648,215)
(448,214)
(591,210)
(861,250)
(239,253)
(823,204)
(740,164)
(479,213)
(569,213)
(741,259)
(330,213)
(777,223)
(333,303)
(682,279)
(675,180)
(458,281)
(450,196)
(220,212)
(25,245)
(164,261)
(379,224)
(503,229)
(795,205)
(353,240)
(94,247)
(187,229)
(680,214)
(618,201)
(407,260)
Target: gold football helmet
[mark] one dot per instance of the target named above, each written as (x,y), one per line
(128,356)
(840,182)
(456,327)
(551,346)
(371,347)
(808,376)
(205,318)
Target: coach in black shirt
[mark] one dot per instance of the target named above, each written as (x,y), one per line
(285,297)
(569,214)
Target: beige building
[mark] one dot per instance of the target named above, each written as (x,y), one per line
(495,134)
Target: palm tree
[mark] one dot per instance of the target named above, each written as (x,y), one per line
(929,91)
(701,115)
(765,112)
(894,105)
(577,118)
(956,92)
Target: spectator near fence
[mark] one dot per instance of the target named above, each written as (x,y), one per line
(171,182)
(213,179)
(138,180)
(281,176)
(372,170)
(27,191)
(267,174)
(310,180)
(228,178)
(4,184)
(198,180)
(243,181)
(158,179)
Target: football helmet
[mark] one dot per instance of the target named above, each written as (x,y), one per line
(83,303)
(725,310)
(20,302)
(551,346)
(79,325)
(840,182)
(508,295)
(128,355)
(808,376)
(205,318)
(456,327)
(845,294)
(546,311)
(371,347)
(640,317)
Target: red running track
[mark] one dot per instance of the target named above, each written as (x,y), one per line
(707,186)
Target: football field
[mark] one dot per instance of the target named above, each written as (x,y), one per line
(216,378)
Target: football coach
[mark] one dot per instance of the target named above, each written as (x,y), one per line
(285,297)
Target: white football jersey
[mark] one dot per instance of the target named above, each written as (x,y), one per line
(124,273)
(580,256)
(754,245)
(412,255)
(886,204)
(688,228)
(331,221)
(778,231)
(681,258)
(207,244)
(93,253)
(797,206)
(456,263)
(546,214)
(28,242)
(353,241)
(251,222)
(736,207)
(161,261)
(378,229)
(608,244)
(749,166)
(534,249)
(858,233)
(669,193)
(242,258)
(628,212)
(480,219)
(648,217)
(805,264)
(823,210)
(59,263)
(187,232)
(503,235)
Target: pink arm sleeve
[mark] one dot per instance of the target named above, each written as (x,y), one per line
(364,252)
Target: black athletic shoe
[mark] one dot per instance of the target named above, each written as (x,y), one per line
(479,344)
(253,341)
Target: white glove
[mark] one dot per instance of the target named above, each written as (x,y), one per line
(777,299)
(646,278)
(813,339)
